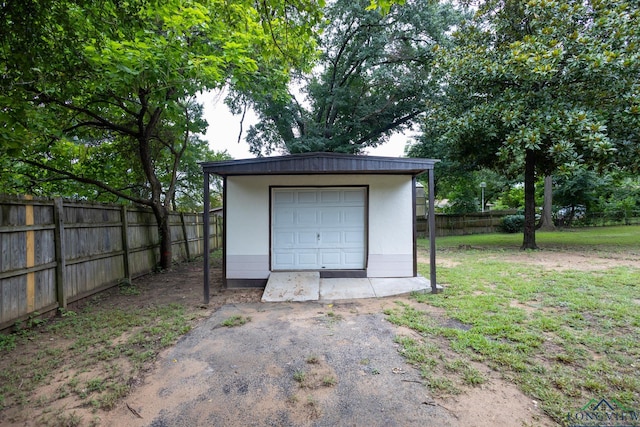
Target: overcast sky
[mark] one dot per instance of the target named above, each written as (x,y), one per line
(222,133)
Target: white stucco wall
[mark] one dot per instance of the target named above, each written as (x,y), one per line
(390,221)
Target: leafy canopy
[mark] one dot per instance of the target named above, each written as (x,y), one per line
(539,86)
(106,94)
(374,74)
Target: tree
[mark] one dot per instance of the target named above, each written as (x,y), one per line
(546,220)
(373,78)
(113,84)
(540,86)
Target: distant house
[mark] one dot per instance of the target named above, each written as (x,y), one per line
(217,211)
(341,215)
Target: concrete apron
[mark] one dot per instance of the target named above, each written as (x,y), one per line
(308,286)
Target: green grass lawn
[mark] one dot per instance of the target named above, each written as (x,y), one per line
(621,238)
(564,336)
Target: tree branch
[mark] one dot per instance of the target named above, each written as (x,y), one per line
(78,178)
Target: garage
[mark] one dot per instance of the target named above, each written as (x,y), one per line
(337,215)
(318,228)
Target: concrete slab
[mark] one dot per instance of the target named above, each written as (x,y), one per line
(388,286)
(292,286)
(342,288)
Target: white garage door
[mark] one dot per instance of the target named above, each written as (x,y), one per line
(318,228)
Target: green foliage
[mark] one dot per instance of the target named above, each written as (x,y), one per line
(579,188)
(538,87)
(373,77)
(106,95)
(512,223)
(7,342)
(462,199)
(235,320)
(622,201)
(513,198)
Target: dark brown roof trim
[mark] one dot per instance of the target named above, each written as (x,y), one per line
(320,163)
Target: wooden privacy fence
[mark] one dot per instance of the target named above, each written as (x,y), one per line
(461,224)
(53,253)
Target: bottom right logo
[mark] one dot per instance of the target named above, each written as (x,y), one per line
(604,413)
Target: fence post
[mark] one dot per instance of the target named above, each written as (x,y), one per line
(186,240)
(216,235)
(58,237)
(125,243)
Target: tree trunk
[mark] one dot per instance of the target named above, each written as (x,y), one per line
(546,223)
(164,233)
(529,240)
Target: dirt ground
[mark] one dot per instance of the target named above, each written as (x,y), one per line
(353,373)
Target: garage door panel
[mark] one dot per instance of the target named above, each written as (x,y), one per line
(353,216)
(330,238)
(284,239)
(284,217)
(307,259)
(329,196)
(306,217)
(307,238)
(331,259)
(318,229)
(310,196)
(353,258)
(284,259)
(351,196)
(284,197)
(354,238)
(330,216)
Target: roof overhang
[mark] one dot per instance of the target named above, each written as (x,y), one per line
(320,163)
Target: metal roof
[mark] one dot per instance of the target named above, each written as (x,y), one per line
(320,163)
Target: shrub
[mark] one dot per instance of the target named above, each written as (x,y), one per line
(513,223)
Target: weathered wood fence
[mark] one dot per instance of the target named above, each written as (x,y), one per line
(53,253)
(461,224)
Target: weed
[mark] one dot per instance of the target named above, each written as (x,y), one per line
(128,288)
(109,399)
(61,418)
(300,376)
(441,385)
(7,342)
(66,313)
(95,385)
(329,381)
(236,320)
(472,376)
(314,406)
(334,317)
(313,360)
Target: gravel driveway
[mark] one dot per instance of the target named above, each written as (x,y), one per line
(292,364)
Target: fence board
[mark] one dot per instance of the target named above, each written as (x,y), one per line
(77,249)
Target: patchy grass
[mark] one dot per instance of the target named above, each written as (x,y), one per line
(93,355)
(300,377)
(236,320)
(564,337)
